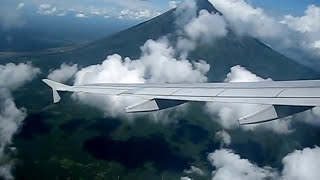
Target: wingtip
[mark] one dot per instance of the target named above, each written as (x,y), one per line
(55,86)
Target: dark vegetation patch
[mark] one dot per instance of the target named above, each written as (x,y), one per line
(104,125)
(34,124)
(72,126)
(190,132)
(135,152)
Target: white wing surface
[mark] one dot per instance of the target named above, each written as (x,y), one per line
(284,98)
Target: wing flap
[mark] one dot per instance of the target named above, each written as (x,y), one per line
(271,113)
(153,105)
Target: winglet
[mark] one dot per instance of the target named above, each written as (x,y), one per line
(56,96)
(55,88)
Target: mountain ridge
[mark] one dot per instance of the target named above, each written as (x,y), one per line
(223,54)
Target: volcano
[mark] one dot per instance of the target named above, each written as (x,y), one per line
(222,54)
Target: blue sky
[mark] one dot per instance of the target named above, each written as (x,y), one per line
(16,13)
(281,7)
(139,9)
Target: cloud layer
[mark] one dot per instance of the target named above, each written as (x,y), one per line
(230,166)
(64,73)
(302,164)
(197,29)
(298,165)
(12,76)
(297,37)
(157,64)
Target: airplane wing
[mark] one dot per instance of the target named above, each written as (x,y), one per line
(283,98)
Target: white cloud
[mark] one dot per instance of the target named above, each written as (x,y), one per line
(20,6)
(311,117)
(141,14)
(5,171)
(206,27)
(173,4)
(47,9)
(316,44)
(64,73)
(10,120)
(96,13)
(230,166)
(115,69)
(229,113)
(310,22)
(12,76)
(185,178)
(194,170)
(185,12)
(248,20)
(224,138)
(298,165)
(240,74)
(44,6)
(301,165)
(81,15)
(308,28)
(296,37)
(193,29)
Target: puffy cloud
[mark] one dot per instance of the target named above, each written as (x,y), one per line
(44,6)
(193,29)
(185,178)
(157,64)
(64,73)
(12,76)
(296,37)
(141,14)
(230,166)
(224,138)
(229,113)
(185,12)
(310,117)
(5,172)
(173,4)
(206,27)
(11,118)
(298,165)
(194,170)
(310,22)
(240,74)
(20,6)
(81,15)
(302,164)
(248,20)
(308,28)
(47,9)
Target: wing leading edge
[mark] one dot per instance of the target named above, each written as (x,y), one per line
(283,99)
